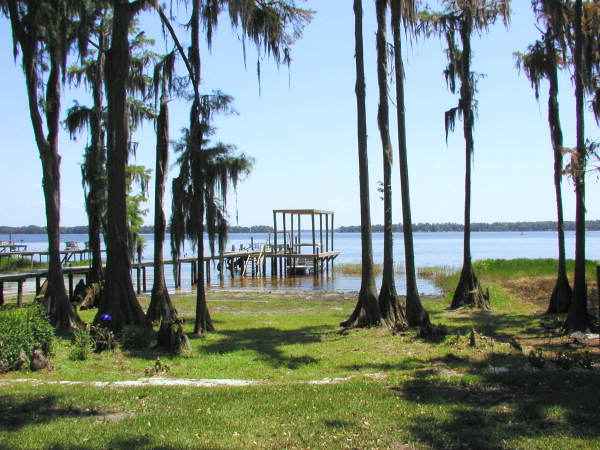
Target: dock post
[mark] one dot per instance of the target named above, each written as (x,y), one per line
(139,279)
(1,293)
(274,249)
(144,278)
(264,267)
(222,264)
(207,272)
(70,286)
(314,244)
(20,293)
(285,243)
(37,285)
(178,274)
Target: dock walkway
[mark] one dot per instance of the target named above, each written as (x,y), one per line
(250,261)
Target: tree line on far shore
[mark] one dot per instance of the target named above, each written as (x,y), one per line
(424,227)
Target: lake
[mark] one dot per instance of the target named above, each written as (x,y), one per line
(431,249)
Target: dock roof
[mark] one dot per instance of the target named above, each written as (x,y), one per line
(302,211)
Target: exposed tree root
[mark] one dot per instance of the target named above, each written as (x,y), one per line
(170,336)
(468,292)
(392,312)
(87,296)
(578,318)
(366,313)
(118,301)
(560,300)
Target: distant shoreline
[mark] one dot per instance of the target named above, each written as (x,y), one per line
(591,225)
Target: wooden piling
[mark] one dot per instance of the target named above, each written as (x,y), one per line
(314,243)
(144,278)
(139,279)
(207,272)
(20,293)
(37,285)
(70,285)
(1,293)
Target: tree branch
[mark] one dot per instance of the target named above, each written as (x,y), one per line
(167,24)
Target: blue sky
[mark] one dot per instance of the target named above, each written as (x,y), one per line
(301,129)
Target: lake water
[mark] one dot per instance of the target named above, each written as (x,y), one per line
(431,249)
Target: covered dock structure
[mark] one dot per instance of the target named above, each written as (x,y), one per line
(286,250)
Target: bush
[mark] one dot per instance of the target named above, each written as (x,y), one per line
(135,337)
(83,344)
(20,330)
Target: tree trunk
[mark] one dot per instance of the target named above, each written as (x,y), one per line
(170,335)
(118,298)
(468,292)
(560,299)
(95,170)
(366,313)
(62,314)
(391,311)
(415,313)
(203,322)
(578,319)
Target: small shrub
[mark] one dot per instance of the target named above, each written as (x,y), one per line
(103,338)
(564,360)
(157,369)
(83,344)
(433,333)
(20,330)
(135,337)
(536,358)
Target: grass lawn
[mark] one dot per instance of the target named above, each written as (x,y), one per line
(319,388)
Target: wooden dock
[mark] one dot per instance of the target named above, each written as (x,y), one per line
(285,251)
(251,262)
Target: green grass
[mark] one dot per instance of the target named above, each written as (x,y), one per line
(495,270)
(356,269)
(401,390)
(19,264)
(25,264)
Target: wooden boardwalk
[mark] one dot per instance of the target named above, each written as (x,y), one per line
(248,262)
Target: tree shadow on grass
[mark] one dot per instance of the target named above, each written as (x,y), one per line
(267,343)
(18,412)
(519,404)
(491,323)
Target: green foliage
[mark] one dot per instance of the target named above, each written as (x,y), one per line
(157,369)
(15,264)
(83,344)
(135,338)
(20,330)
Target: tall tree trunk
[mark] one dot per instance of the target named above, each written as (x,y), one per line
(578,319)
(391,311)
(468,292)
(366,313)
(560,299)
(203,322)
(61,312)
(415,313)
(160,307)
(118,298)
(96,162)
(170,335)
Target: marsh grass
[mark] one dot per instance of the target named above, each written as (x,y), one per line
(19,264)
(25,264)
(355,270)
